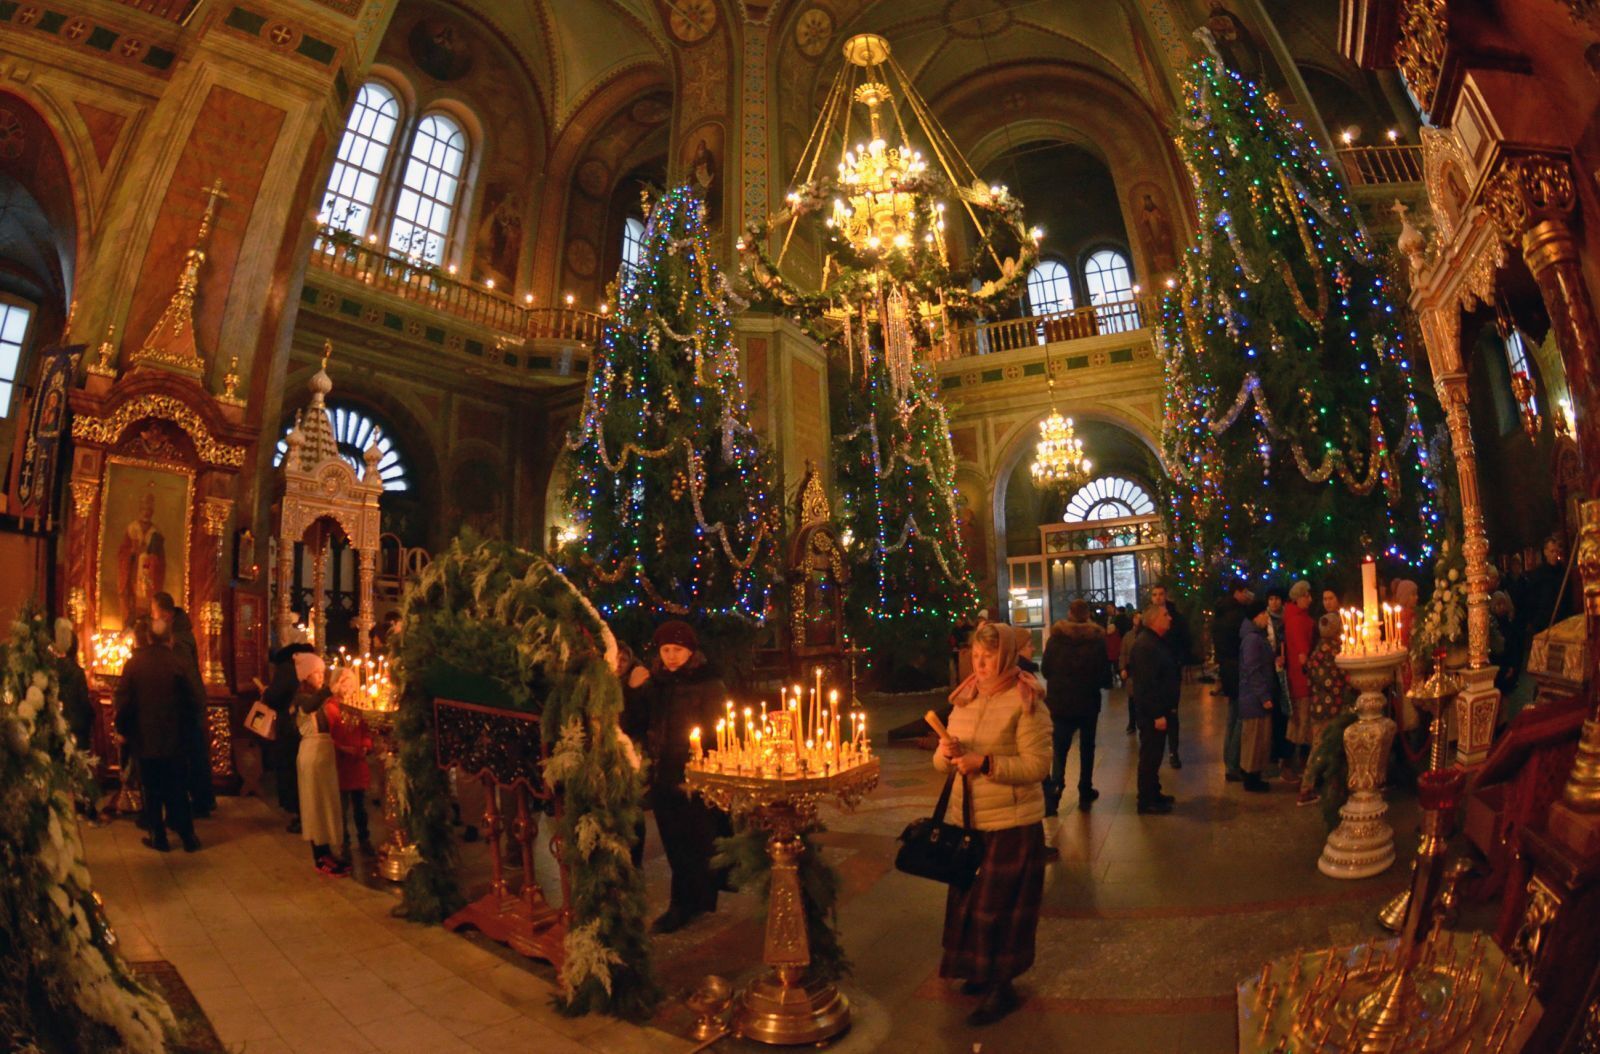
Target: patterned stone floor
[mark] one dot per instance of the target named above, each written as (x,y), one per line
(1148,923)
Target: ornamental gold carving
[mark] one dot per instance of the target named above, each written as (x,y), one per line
(214,515)
(107,430)
(84,493)
(1540,912)
(1528,190)
(1424,25)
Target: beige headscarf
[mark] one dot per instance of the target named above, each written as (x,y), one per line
(1008,673)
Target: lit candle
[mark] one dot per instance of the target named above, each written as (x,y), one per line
(749,730)
(1369,595)
(694,744)
(800,732)
(833,710)
(722,732)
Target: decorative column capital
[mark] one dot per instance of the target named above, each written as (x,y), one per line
(84,494)
(1424,29)
(1527,190)
(214,515)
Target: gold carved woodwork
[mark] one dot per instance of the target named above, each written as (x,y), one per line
(1582,790)
(1589,1038)
(107,430)
(1424,25)
(1543,905)
(84,493)
(214,515)
(78,606)
(814,506)
(1528,190)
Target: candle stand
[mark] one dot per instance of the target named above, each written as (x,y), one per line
(1436,696)
(1363,843)
(784,1006)
(397,855)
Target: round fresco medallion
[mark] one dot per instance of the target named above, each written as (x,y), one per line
(581,259)
(813,31)
(593,178)
(977,18)
(691,20)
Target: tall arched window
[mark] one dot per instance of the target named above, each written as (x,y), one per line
(1109,280)
(352,430)
(1049,288)
(14,318)
(1108,498)
(429,189)
(353,186)
(632,249)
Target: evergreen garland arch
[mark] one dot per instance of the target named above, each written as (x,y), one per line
(508,616)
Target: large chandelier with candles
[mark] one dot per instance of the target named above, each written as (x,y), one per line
(1058,459)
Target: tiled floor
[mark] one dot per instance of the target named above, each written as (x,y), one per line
(1148,923)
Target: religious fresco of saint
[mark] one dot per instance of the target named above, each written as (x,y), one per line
(144,535)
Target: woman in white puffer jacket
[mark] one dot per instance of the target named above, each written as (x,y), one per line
(999,744)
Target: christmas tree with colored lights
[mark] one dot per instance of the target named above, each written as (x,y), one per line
(668,486)
(896,473)
(1294,413)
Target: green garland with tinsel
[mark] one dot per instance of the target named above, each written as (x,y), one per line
(512,620)
(1328,768)
(750,867)
(63,985)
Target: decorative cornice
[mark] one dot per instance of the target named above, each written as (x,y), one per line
(107,430)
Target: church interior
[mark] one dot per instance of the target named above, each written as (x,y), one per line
(514,515)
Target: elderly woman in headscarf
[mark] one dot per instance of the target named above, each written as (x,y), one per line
(999,744)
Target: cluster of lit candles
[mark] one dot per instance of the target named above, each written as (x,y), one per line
(806,735)
(1373,628)
(109,650)
(375,688)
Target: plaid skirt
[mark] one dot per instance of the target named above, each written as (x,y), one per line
(989,928)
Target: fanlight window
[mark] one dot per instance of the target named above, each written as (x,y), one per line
(1049,288)
(352,430)
(429,189)
(1108,498)
(1109,280)
(353,185)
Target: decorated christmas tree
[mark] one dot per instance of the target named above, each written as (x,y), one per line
(1293,433)
(667,483)
(896,471)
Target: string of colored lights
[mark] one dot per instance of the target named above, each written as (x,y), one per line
(665,394)
(1294,428)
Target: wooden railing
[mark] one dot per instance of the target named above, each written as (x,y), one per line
(1374,166)
(986,338)
(428,286)
(171,10)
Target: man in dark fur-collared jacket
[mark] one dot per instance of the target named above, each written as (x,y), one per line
(1076,669)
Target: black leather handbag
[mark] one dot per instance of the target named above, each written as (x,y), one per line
(944,852)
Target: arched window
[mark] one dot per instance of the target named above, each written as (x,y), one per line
(632,248)
(1517,360)
(352,430)
(353,186)
(1109,280)
(1049,288)
(429,188)
(14,318)
(1108,498)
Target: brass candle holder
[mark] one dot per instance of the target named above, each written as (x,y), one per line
(398,854)
(1363,843)
(785,1006)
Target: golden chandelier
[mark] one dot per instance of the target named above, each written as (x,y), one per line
(1058,459)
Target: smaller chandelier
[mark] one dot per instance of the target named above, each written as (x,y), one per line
(1059,461)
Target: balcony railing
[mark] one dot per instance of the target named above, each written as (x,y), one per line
(987,338)
(423,284)
(1376,166)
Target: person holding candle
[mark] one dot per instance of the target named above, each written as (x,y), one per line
(998,742)
(682,691)
(1257,686)
(1076,671)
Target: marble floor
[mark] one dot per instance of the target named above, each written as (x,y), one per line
(1148,923)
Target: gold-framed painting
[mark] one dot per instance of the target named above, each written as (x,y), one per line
(145,512)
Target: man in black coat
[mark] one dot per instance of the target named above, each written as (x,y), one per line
(164,611)
(1226,622)
(1157,681)
(1076,669)
(682,692)
(155,703)
(1178,641)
